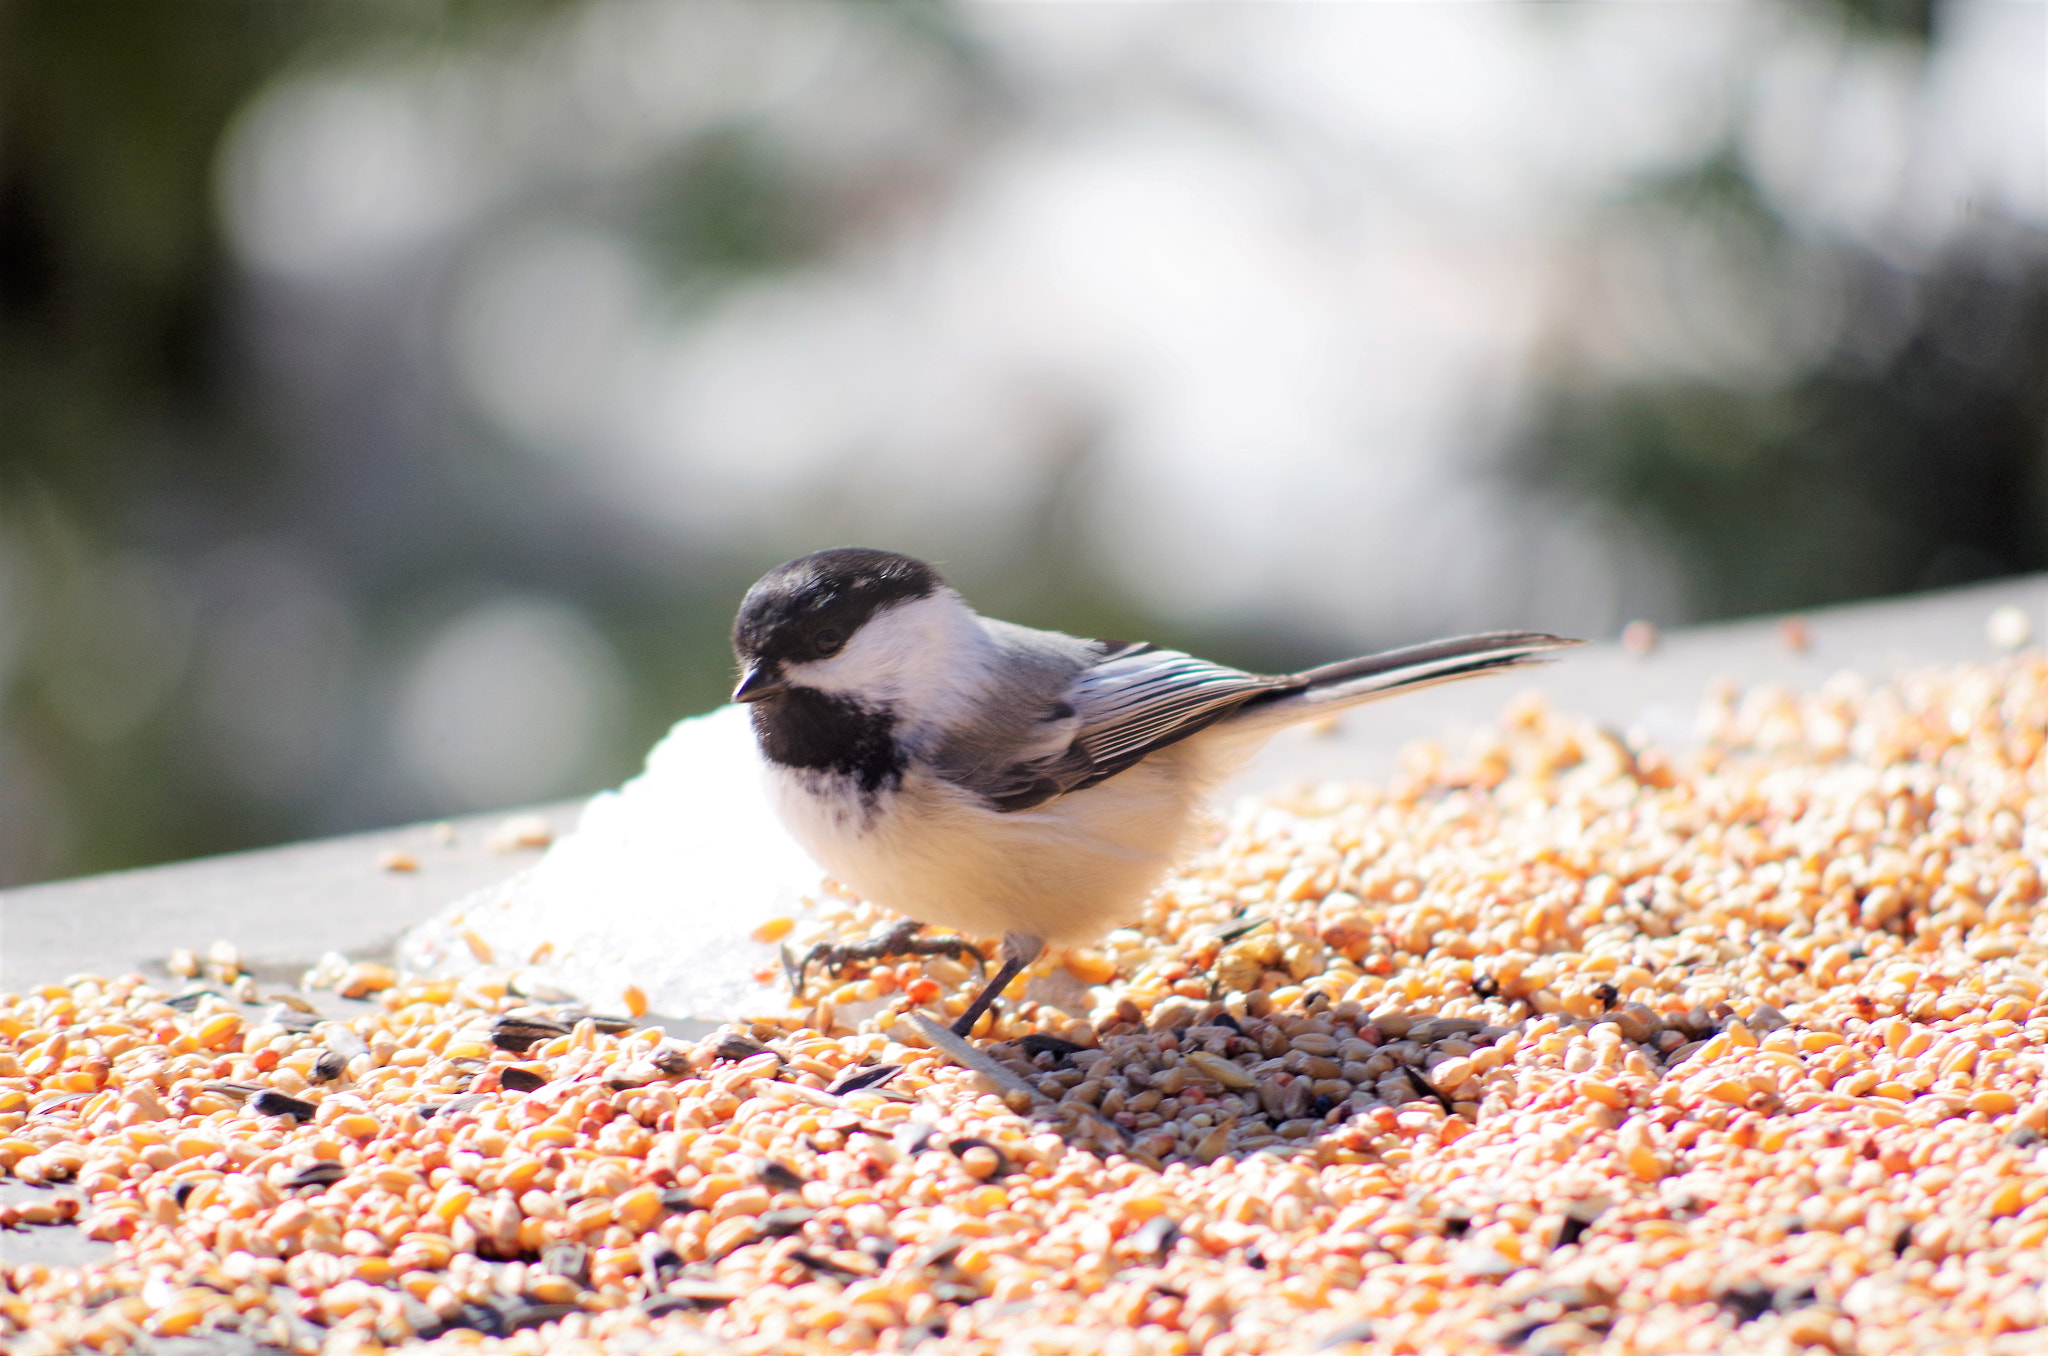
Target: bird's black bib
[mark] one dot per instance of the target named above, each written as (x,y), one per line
(815,731)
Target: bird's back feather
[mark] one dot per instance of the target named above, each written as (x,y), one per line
(1130,701)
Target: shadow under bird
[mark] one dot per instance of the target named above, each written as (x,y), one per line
(984,776)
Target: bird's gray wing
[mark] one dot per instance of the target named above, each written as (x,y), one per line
(1135,699)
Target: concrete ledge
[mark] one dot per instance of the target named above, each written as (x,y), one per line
(281,906)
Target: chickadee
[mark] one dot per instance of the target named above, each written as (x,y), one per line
(996,779)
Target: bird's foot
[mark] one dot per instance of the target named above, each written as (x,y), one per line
(1018,952)
(900,940)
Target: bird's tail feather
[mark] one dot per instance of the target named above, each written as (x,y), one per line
(1353,681)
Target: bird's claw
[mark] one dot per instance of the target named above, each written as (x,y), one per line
(900,940)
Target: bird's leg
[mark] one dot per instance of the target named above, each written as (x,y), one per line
(1018,952)
(900,940)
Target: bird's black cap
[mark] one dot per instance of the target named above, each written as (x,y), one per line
(838,590)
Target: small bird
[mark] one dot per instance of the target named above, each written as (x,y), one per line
(997,779)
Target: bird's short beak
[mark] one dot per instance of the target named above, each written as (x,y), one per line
(760,681)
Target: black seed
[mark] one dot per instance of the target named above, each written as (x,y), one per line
(913,1137)
(732,1045)
(520,1080)
(183,1191)
(776,1176)
(1425,1087)
(961,1146)
(661,1261)
(455,1106)
(679,1199)
(1255,1259)
(1156,1235)
(700,1294)
(672,1061)
(1748,1301)
(1793,1295)
(873,1076)
(271,1102)
(533,1315)
(520,1034)
(1579,1219)
(1608,996)
(1902,1240)
(291,1019)
(241,1092)
(317,1175)
(50,1105)
(1516,1335)
(1485,986)
(825,1265)
(329,1066)
(1456,1226)
(2025,1137)
(1225,1019)
(943,1252)
(185,1002)
(1038,1043)
(609,1025)
(930,1330)
(783,1223)
(656,1305)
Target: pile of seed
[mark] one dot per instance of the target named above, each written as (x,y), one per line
(1559,1045)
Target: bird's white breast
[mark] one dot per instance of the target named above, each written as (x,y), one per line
(1066,871)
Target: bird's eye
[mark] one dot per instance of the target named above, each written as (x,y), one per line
(828,641)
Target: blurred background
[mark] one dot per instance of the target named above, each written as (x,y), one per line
(396,396)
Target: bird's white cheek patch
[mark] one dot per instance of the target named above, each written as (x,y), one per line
(928,656)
